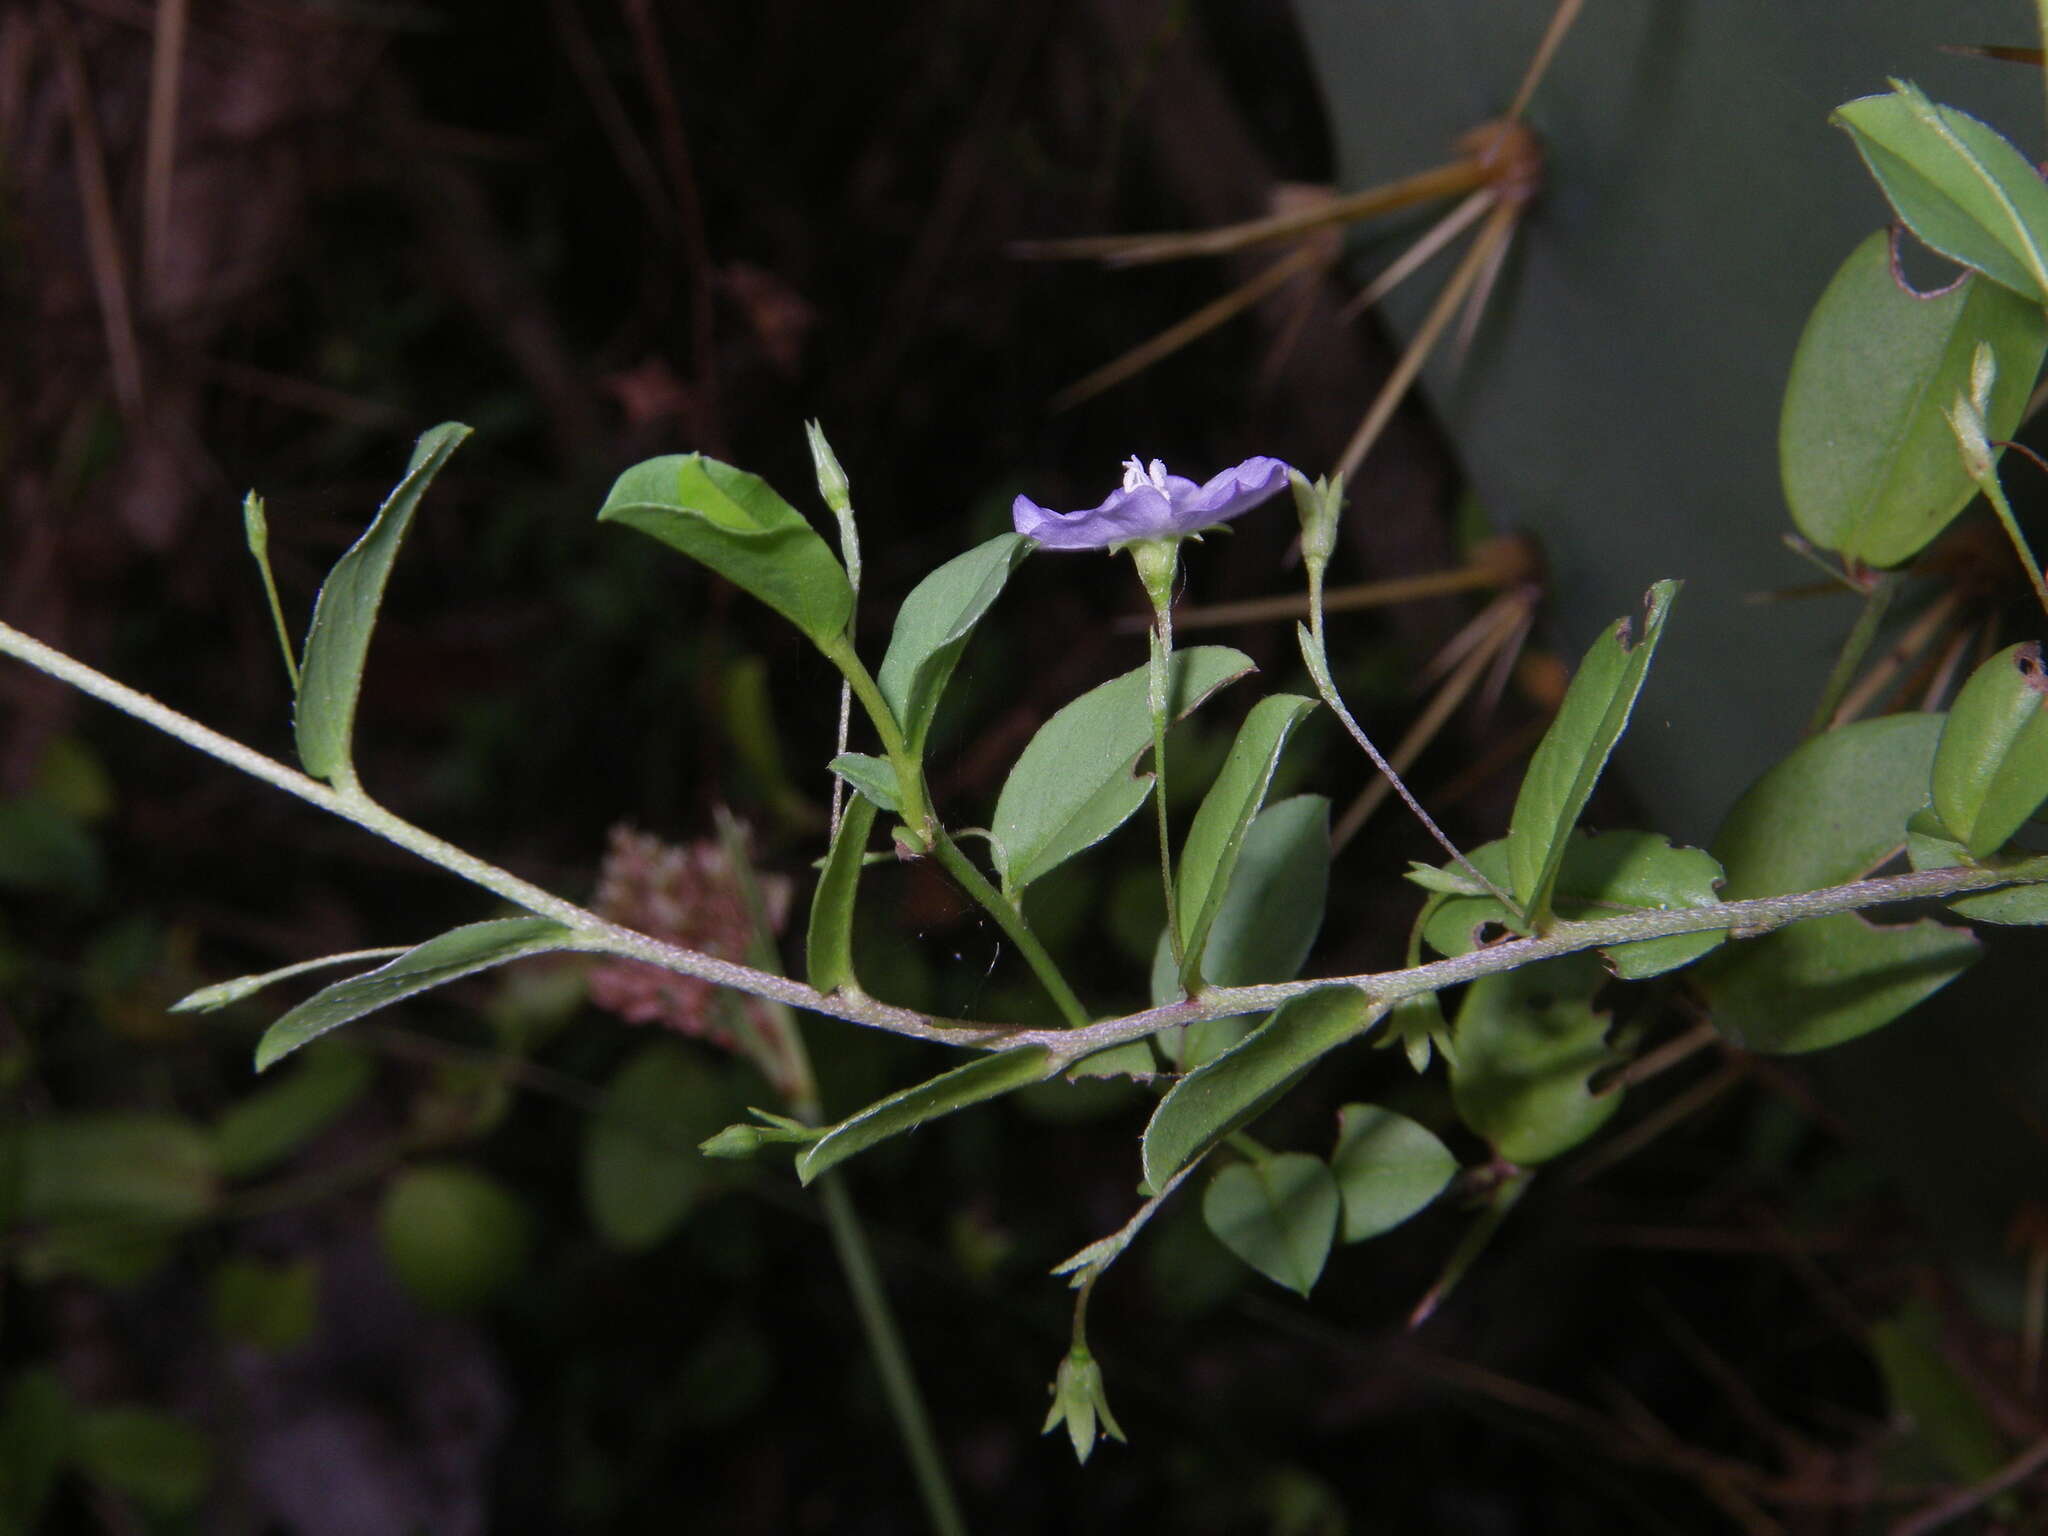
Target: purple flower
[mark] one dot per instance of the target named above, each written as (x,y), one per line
(1153,505)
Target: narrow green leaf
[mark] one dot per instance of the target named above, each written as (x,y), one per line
(1568,761)
(1222,1095)
(1279,1215)
(1959,186)
(1387,1168)
(263,1128)
(345,614)
(642,1171)
(1529,1041)
(222,994)
(735,523)
(450,956)
(1209,856)
(1074,785)
(932,628)
(987,1078)
(1867,455)
(828,943)
(1991,767)
(874,777)
(1601,875)
(1830,812)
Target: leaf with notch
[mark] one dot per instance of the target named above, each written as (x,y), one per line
(345,614)
(1278,1214)
(735,523)
(1074,783)
(1529,1041)
(988,1078)
(933,626)
(1568,761)
(448,957)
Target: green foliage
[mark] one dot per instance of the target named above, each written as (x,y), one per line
(160,1462)
(1991,766)
(735,523)
(1529,1044)
(1073,784)
(642,1172)
(828,941)
(1865,448)
(1278,1214)
(268,1306)
(1959,185)
(933,627)
(345,616)
(1569,759)
(874,777)
(986,1078)
(452,1235)
(265,1127)
(1387,1168)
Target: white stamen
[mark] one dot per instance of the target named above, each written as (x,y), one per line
(1138,475)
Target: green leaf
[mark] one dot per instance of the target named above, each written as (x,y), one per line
(1073,785)
(1958,185)
(1991,767)
(37,1428)
(1279,1215)
(459,952)
(267,1126)
(735,523)
(1602,874)
(345,614)
(1221,1095)
(932,628)
(111,1168)
(1867,454)
(223,994)
(1210,854)
(160,1462)
(989,1077)
(269,1306)
(1387,1168)
(454,1237)
(1936,1399)
(828,943)
(874,777)
(1930,846)
(1529,1041)
(1828,813)
(1568,761)
(642,1172)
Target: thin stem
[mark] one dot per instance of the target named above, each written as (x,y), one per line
(1159,658)
(1994,493)
(1854,648)
(1010,917)
(892,1362)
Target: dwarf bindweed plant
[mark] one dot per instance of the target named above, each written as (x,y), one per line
(1526,931)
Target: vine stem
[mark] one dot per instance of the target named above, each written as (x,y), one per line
(1749,918)
(1012,921)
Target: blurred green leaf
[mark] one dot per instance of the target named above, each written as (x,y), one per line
(459,952)
(37,1428)
(1387,1168)
(44,849)
(828,942)
(453,1236)
(270,1306)
(735,523)
(267,1126)
(1991,766)
(1568,761)
(1529,1043)
(1278,1214)
(1933,1396)
(933,626)
(160,1462)
(112,1167)
(1209,855)
(1073,784)
(1221,1095)
(987,1078)
(1959,185)
(1864,445)
(345,615)
(642,1172)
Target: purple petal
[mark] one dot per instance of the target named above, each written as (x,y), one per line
(1230,494)
(1140,514)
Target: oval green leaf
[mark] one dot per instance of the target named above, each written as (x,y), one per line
(988,1078)
(1991,767)
(1279,1215)
(874,777)
(459,952)
(345,614)
(1568,761)
(1387,1168)
(933,626)
(1867,454)
(1209,856)
(642,1172)
(1959,186)
(1529,1041)
(1221,1095)
(1073,785)
(735,523)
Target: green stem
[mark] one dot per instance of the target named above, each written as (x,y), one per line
(1995,494)
(917,810)
(899,1384)
(1010,917)
(1854,649)
(1161,655)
